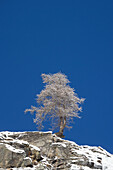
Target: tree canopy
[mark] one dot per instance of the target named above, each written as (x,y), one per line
(58,101)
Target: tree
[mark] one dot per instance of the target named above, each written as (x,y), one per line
(57,101)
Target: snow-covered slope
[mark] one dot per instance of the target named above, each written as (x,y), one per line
(46,151)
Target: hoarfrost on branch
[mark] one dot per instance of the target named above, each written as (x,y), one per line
(58,101)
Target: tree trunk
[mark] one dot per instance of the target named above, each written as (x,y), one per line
(62,125)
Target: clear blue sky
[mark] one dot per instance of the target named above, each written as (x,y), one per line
(74,37)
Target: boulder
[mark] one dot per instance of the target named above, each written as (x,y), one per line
(10,157)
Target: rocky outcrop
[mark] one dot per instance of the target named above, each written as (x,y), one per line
(17,153)
(46,151)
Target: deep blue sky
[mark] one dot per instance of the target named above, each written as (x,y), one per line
(74,37)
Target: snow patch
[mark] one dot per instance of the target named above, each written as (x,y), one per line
(20,142)
(11,148)
(107,163)
(35,147)
(59,143)
(26,158)
(78,167)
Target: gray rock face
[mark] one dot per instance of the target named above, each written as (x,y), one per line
(46,151)
(9,158)
(16,153)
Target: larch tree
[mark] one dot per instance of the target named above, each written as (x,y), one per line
(57,101)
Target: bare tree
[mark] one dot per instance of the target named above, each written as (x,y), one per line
(58,101)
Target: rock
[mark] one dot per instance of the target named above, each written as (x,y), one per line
(9,157)
(59,135)
(35,153)
(17,153)
(27,162)
(46,151)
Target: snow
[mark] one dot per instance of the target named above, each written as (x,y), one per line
(28,168)
(107,163)
(77,167)
(11,148)
(97,155)
(8,133)
(93,154)
(35,147)
(20,142)
(26,158)
(45,162)
(59,143)
(2,137)
(45,132)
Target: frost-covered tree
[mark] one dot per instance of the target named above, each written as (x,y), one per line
(57,101)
